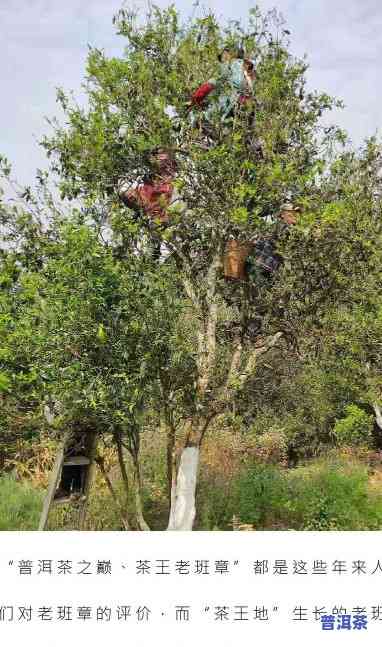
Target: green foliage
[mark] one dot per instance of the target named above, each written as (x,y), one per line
(81,335)
(216,503)
(326,495)
(4,382)
(260,493)
(272,446)
(337,497)
(20,505)
(164,61)
(355,428)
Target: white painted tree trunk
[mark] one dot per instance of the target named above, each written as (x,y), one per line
(378,415)
(182,513)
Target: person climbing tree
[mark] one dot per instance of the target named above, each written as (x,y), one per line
(233,87)
(155,196)
(265,256)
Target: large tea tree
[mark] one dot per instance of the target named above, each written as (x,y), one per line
(232,173)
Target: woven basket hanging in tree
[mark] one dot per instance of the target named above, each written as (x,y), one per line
(235,257)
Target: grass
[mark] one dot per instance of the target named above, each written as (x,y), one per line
(20,505)
(332,493)
(326,494)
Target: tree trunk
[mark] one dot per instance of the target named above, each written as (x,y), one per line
(101,464)
(378,415)
(169,430)
(182,513)
(141,522)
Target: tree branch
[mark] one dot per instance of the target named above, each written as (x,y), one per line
(234,366)
(101,464)
(268,343)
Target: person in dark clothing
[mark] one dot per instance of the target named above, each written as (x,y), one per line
(264,255)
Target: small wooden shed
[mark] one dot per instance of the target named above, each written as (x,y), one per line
(72,473)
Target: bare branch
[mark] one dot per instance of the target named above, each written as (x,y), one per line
(189,289)
(267,344)
(235,364)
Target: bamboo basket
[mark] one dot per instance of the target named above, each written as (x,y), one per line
(236,254)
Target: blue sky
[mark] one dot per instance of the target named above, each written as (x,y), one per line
(43,44)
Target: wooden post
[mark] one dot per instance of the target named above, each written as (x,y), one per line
(53,482)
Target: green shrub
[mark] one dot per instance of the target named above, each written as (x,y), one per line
(334,495)
(20,505)
(272,446)
(356,428)
(260,492)
(325,495)
(216,503)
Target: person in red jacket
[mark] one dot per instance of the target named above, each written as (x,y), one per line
(155,194)
(154,197)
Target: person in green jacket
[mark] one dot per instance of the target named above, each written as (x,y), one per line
(232,88)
